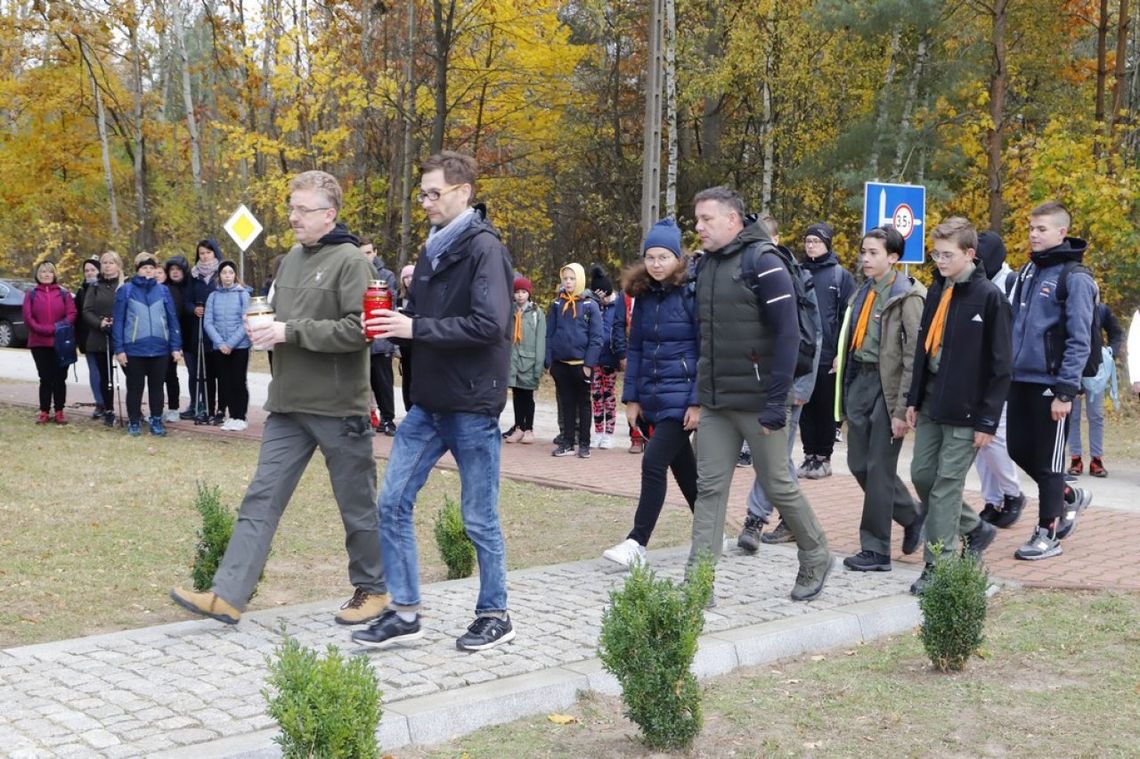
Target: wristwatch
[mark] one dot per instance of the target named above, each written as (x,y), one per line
(1064,398)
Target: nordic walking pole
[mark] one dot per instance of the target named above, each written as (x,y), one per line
(200,391)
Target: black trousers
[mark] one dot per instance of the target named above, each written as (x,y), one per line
(669,448)
(522,400)
(53,378)
(151,371)
(817,420)
(105,389)
(173,387)
(233,392)
(1037,444)
(573,389)
(383,386)
(406,376)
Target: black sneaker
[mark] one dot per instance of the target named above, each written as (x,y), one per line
(388,630)
(919,585)
(484,633)
(563,450)
(388,428)
(749,539)
(1076,501)
(559,440)
(979,539)
(989,512)
(583,452)
(1010,511)
(744,459)
(779,535)
(188,414)
(868,561)
(912,534)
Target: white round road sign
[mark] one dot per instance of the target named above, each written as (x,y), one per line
(903,220)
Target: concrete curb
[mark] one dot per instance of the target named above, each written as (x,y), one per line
(441,717)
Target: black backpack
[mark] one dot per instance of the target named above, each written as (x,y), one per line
(807,307)
(1056,336)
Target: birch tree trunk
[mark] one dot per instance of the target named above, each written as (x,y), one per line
(903,142)
(768,127)
(101,123)
(671,106)
(408,111)
(884,105)
(188,103)
(145,232)
(998,78)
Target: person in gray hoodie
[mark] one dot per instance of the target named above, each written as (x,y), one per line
(1051,343)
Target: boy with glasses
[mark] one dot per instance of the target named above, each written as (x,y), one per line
(958,386)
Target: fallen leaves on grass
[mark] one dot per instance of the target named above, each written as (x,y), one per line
(562,719)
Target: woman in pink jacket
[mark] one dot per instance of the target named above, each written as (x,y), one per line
(43,307)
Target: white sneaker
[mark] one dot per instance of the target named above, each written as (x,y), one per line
(605,440)
(236,425)
(227,425)
(171,415)
(627,553)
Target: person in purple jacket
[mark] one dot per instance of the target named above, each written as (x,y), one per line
(43,307)
(661,379)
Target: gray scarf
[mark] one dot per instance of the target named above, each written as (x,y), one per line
(440,239)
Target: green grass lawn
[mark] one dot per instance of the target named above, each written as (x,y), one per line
(1059,676)
(99,526)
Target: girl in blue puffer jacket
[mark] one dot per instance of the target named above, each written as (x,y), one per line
(661,379)
(224,324)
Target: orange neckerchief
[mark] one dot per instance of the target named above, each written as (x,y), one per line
(518,325)
(571,303)
(938,324)
(865,317)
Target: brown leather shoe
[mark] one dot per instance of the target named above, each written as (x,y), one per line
(362,607)
(207,604)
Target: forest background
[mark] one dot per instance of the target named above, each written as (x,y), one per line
(142,124)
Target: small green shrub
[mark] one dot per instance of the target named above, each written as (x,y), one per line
(328,707)
(953,608)
(213,535)
(648,641)
(455,548)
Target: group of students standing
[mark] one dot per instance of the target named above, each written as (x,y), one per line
(145,324)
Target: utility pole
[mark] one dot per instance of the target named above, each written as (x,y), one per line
(651,154)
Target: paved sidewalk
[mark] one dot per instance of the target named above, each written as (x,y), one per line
(192,689)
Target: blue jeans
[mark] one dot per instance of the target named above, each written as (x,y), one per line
(475,442)
(93,375)
(1094,402)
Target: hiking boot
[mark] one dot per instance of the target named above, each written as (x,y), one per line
(172,416)
(919,585)
(1076,501)
(563,450)
(627,553)
(362,607)
(868,561)
(98,412)
(513,436)
(810,580)
(821,469)
(782,534)
(979,539)
(637,446)
(1041,545)
(484,633)
(1096,467)
(133,429)
(1076,466)
(1010,511)
(583,451)
(527,437)
(59,419)
(109,419)
(388,428)
(744,459)
(156,428)
(559,439)
(912,534)
(207,604)
(188,415)
(749,538)
(218,420)
(805,467)
(605,441)
(389,630)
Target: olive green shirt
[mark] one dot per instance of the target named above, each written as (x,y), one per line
(868,353)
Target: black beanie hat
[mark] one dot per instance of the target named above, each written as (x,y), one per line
(599,280)
(823,231)
(991,251)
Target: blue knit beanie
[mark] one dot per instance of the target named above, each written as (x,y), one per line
(663,234)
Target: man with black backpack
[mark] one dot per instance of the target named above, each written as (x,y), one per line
(1054,310)
(750,346)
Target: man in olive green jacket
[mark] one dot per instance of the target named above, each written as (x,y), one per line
(318,398)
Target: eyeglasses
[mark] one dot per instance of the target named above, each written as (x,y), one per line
(939,255)
(434,195)
(658,260)
(290,210)
(812,241)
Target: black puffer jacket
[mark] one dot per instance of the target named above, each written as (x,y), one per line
(462,319)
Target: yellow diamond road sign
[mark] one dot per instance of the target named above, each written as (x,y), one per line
(243,227)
